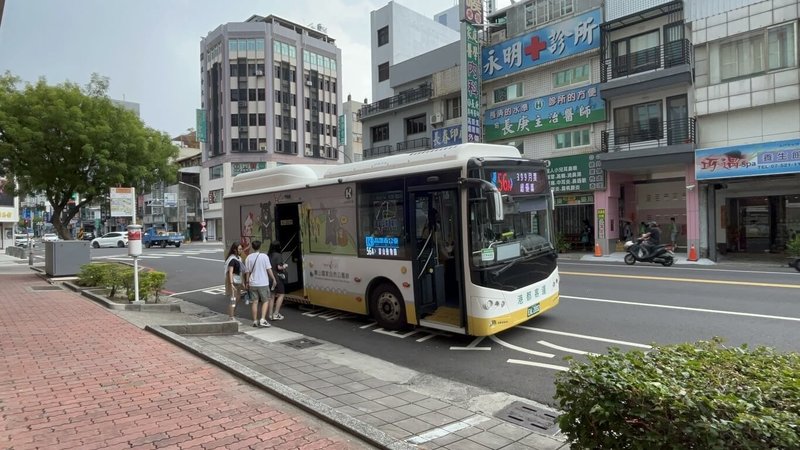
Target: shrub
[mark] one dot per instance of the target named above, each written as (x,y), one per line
(150,284)
(93,274)
(562,244)
(702,395)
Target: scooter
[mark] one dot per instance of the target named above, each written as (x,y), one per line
(658,255)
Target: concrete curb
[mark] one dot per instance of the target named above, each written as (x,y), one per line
(347,423)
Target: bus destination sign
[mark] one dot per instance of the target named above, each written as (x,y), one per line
(515,182)
(382,246)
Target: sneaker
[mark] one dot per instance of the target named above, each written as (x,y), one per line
(255,324)
(277,316)
(264,323)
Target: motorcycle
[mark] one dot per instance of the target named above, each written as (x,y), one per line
(658,255)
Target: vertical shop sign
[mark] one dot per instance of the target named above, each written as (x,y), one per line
(471,14)
(601,223)
(201,126)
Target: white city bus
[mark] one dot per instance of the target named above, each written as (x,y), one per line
(356,236)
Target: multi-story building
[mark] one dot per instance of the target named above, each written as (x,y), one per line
(399,34)
(648,147)
(270,95)
(541,83)
(9,214)
(350,131)
(747,102)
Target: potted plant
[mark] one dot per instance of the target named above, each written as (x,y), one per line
(793,249)
(561,243)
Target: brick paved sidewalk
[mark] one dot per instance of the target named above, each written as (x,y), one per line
(73,375)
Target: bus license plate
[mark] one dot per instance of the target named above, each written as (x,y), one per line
(533,309)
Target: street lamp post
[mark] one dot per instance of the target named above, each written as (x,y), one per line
(202,213)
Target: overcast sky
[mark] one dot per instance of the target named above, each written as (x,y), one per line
(150,49)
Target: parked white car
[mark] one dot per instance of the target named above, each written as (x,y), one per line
(112,239)
(21,240)
(50,237)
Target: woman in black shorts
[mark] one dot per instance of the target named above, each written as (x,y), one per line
(276,259)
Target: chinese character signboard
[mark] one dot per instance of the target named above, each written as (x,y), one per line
(201,125)
(442,137)
(560,110)
(566,200)
(544,45)
(747,160)
(123,202)
(342,130)
(470,14)
(576,173)
(237,168)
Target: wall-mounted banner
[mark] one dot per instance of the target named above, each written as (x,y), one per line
(170,199)
(471,83)
(747,160)
(442,137)
(544,45)
(560,110)
(238,168)
(576,173)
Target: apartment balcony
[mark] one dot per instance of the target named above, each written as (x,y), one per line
(408,97)
(655,135)
(647,69)
(377,152)
(414,144)
(669,143)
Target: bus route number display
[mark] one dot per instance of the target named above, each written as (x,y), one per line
(514,182)
(382,246)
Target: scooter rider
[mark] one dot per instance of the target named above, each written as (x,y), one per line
(652,238)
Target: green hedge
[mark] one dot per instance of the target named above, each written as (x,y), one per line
(116,277)
(701,396)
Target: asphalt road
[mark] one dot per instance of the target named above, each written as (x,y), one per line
(602,305)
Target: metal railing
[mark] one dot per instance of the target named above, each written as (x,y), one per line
(654,134)
(423,92)
(414,144)
(667,55)
(375,152)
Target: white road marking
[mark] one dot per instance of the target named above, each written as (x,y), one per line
(695,268)
(396,334)
(472,345)
(433,334)
(369,325)
(436,433)
(206,259)
(583,336)
(684,308)
(565,349)
(538,364)
(521,349)
(214,288)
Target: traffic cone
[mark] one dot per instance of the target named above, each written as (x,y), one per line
(692,253)
(597,250)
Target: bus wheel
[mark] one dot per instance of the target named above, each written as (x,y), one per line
(387,307)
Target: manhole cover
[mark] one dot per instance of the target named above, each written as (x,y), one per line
(302,343)
(530,417)
(205,314)
(48,287)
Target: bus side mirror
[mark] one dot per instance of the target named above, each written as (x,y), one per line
(496,206)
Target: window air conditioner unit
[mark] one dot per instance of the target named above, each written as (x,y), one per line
(263,147)
(259,73)
(309,83)
(436,118)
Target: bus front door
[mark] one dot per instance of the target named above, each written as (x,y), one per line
(434,235)
(287,232)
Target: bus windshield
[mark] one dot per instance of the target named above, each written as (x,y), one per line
(524,232)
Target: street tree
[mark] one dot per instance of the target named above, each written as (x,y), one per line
(65,139)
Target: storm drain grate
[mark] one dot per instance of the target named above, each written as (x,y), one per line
(530,417)
(204,314)
(302,343)
(48,287)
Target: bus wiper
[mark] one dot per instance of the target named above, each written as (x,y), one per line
(508,265)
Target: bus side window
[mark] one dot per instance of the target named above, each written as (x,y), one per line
(381,225)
